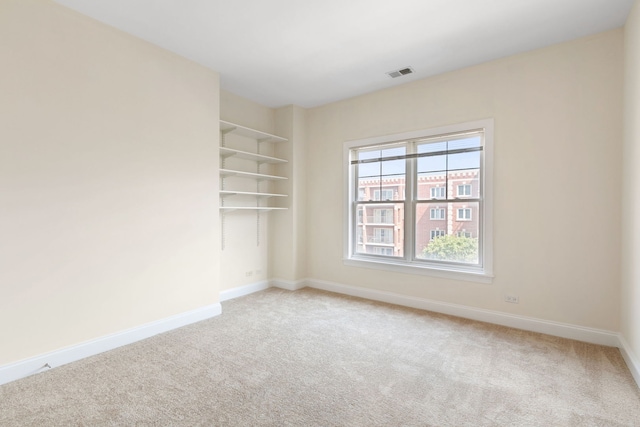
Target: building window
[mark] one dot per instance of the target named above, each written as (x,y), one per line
(384,194)
(382,250)
(383,216)
(464,190)
(383,235)
(437,213)
(424,168)
(437,233)
(464,214)
(438,192)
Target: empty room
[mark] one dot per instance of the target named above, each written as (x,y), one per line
(320,213)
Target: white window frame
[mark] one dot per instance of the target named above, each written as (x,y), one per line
(482,274)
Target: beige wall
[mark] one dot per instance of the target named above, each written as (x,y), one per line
(288,251)
(108,173)
(557,175)
(630,325)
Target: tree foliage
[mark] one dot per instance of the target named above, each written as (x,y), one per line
(452,248)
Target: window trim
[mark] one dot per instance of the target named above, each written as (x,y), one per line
(481,275)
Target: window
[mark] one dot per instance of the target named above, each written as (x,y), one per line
(383,216)
(464,190)
(382,250)
(437,213)
(464,214)
(438,193)
(437,233)
(385,194)
(382,235)
(416,178)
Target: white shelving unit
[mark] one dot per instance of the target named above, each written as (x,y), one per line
(246,172)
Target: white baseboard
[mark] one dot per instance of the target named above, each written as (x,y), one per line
(241,291)
(289,285)
(579,333)
(66,355)
(630,358)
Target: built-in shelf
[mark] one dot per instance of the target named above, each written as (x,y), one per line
(231,152)
(256,176)
(228,127)
(238,198)
(227,193)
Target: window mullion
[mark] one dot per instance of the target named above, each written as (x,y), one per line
(409,203)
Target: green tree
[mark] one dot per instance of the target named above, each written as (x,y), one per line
(452,248)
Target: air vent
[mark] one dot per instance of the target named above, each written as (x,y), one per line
(400,73)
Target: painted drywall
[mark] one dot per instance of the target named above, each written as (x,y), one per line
(630,313)
(288,251)
(244,257)
(108,175)
(558,133)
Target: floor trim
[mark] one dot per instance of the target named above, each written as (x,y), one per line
(76,352)
(630,358)
(289,285)
(241,291)
(564,330)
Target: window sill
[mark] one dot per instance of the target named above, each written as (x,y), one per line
(400,267)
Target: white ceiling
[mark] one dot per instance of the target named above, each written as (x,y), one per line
(311,52)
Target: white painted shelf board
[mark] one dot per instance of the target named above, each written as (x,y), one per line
(231,152)
(227,193)
(257,176)
(250,208)
(260,136)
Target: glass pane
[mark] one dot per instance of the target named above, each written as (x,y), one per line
(380,229)
(463,161)
(381,180)
(447,232)
(432,164)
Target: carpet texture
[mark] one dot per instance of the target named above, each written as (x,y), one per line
(312,358)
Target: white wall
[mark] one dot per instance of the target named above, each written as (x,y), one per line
(108,174)
(630,313)
(558,139)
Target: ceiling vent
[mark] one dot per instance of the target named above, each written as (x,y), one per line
(400,73)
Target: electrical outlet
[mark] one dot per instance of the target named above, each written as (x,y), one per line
(249,273)
(258,272)
(512,299)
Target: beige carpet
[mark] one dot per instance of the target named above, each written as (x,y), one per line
(311,358)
